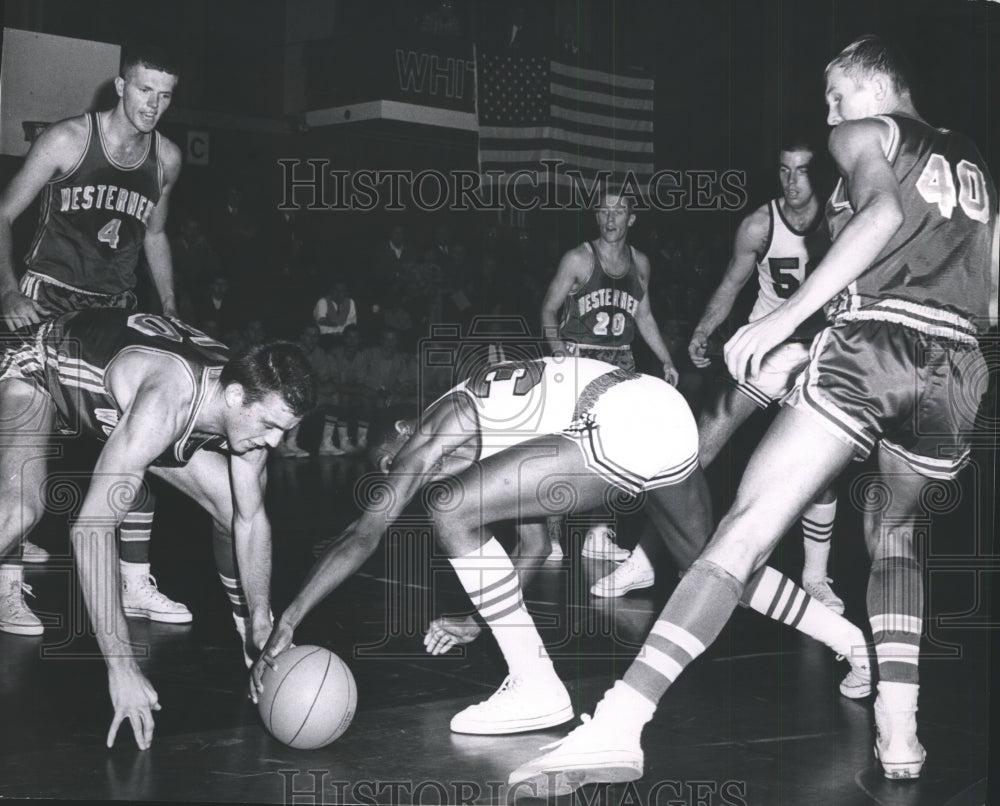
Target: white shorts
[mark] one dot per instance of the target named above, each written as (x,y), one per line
(638,434)
(777,374)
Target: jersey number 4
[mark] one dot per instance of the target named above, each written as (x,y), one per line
(109,233)
(937,186)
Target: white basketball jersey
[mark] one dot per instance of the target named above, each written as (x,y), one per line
(519,400)
(789,256)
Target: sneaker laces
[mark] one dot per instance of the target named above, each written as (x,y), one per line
(497,698)
(860,668)
(585,720)
(147,584)
(13,599)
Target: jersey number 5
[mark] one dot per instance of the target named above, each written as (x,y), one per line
(109,233)
(784,275)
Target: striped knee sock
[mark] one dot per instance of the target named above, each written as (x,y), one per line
(225,564)
(817,529)
(491,581)
(895,608)
(134,535)
(775,595)
(692,619)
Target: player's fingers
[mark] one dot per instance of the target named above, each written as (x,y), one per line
(113,732)
(142,727)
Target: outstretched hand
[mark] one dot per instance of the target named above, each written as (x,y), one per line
(134,699)
(20,311)
(279,640)
(745,351)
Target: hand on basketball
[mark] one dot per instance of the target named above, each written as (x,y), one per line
(279,640)
(698,349)
(19,311)
(134,699)
(745,351)
(670,374)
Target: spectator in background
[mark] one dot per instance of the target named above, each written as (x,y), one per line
(214,309)
(391,257)
(195,264)
(391,375)
(334,311)
(351,385)
(324,373)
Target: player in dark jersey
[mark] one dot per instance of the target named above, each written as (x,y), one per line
(104,180)
(594,306)
(550,423)
(166,399)
(915,255)
(779,243)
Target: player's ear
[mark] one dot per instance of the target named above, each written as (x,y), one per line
(119,85)
(879,85)
(404,428)
(234,395)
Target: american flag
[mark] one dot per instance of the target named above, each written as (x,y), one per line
(531,108)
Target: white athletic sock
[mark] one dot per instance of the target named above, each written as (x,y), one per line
(491,581)
(817,529)
(777,597)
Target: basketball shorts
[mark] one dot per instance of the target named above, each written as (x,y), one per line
(620,357)
(872,381)
(637,433)
(56,298)
(777,373)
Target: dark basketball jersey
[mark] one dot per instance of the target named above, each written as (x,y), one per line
(601,313)
(78,348)
(788,258)
(934,274)
(93,219)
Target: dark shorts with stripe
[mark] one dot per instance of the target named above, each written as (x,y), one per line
(57,299)
(874,381)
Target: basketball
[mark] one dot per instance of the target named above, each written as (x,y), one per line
(309,700)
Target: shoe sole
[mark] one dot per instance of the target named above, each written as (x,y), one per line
(555,783)
(162,618)
(857,693)
(34,560)
(595,555)
(901,770)
(15,629)
(514,726)
(622,591)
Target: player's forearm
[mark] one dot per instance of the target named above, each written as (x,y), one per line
(161,268)
(8,278)
(651,334)
(718,308)
(550,329)
(343,558)
(252,543)
(850,255)
(96,553)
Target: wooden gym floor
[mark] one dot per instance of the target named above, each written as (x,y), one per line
(758,720)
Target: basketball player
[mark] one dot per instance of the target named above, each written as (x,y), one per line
(600,295)
(915,255)
(533,438)
(163,398)
(105,180)
(780,242)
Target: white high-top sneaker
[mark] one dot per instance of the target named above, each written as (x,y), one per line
(15,615)
(896,744)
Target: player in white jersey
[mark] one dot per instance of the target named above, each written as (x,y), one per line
(525,440)
(780,242)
